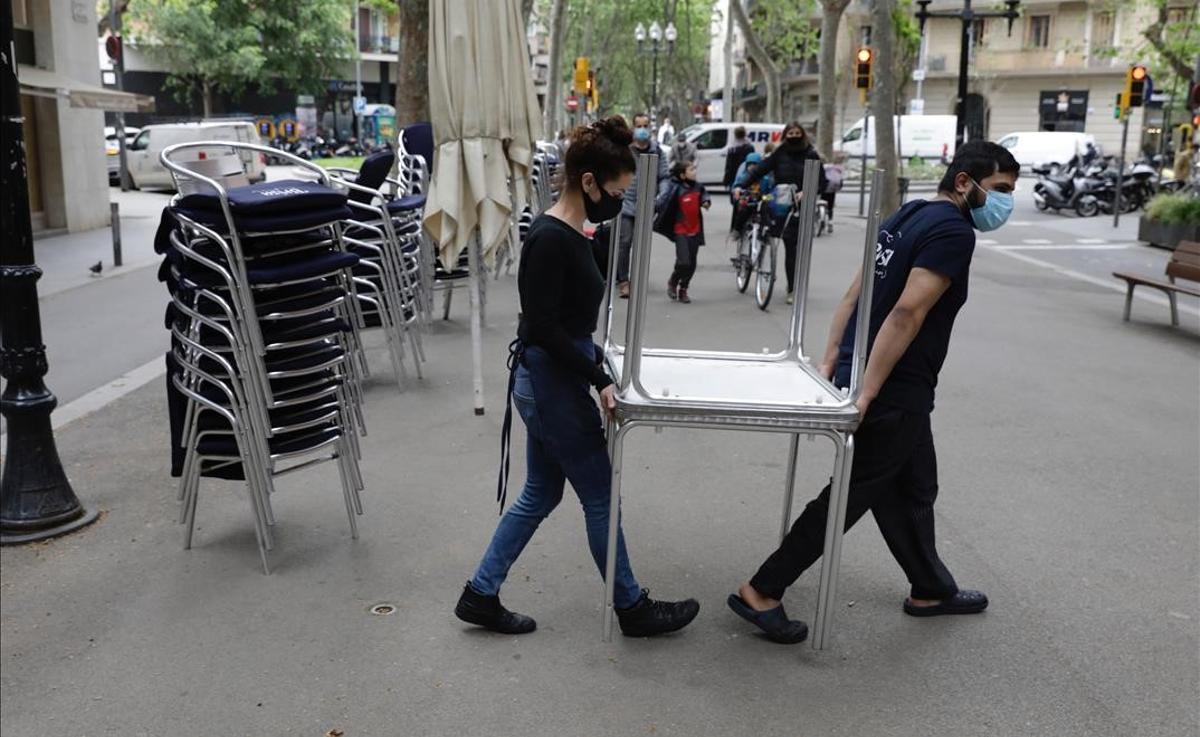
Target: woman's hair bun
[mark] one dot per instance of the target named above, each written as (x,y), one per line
(614,129)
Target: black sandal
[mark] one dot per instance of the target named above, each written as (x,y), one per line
(773,622)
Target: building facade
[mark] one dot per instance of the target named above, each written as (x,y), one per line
(61,103)
(1059,70)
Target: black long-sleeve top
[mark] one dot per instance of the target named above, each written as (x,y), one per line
(561,283)
(788,166)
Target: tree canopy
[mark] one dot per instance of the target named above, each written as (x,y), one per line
(232,45)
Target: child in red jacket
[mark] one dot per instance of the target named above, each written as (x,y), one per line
(679,218)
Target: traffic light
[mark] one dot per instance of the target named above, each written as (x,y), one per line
(863,59)
(1135,86)
(581,75)
(593,92)
(112,47)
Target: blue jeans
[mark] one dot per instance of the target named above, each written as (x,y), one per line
(565,441)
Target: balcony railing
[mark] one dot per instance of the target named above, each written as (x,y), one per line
(380,45)
(1024,60)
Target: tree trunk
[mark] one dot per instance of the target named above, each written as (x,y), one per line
(827,99)
(526,10)
(206,97)
(761,58)
(727,88)
(883,105)
(412,69)
(558,26)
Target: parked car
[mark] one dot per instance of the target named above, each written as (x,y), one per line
(147,171)
(1046,149)
(713,141)
(927,136)
(112,149)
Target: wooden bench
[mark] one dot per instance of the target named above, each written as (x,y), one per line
(1184,264)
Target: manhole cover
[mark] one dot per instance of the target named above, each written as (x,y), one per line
(383,610)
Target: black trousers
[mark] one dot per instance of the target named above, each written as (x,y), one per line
(791,237)
(894,475)
(687,248)
(625,239)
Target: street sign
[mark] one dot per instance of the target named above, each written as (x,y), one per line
(916,106)
(360,104)
(572,103)
(918,75)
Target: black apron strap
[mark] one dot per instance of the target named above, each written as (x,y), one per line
(516,351)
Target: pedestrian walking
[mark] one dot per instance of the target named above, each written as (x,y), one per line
(643,143)
(679,218)
(736,155)
(787,166)
(666,132)
(922,262)
(683,150)
(553,363)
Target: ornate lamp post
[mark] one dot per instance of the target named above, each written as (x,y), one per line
(967,15)
(36,500)
(656,35)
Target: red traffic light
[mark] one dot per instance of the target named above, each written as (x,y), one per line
(112,47)
(864,55)
(1137,73)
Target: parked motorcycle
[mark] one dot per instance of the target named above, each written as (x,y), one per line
(1071,190)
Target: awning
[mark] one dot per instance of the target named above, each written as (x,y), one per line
(43,83)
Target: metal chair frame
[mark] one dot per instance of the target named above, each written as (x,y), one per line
(830,413)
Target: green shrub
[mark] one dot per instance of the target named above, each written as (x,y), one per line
(920,170)
(1174,209)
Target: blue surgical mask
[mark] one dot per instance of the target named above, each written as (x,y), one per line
(994,211)
(641,134)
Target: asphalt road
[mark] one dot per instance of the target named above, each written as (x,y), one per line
(1067,458)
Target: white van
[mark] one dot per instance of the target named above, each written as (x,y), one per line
(927,136)
(143,152)
(713,141)
(1046,148)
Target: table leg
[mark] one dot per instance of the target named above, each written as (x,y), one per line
(616,440)
(790,488)
(835,524)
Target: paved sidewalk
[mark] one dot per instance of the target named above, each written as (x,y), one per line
(1068,492)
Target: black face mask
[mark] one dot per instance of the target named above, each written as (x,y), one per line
(794,144)
(605,208)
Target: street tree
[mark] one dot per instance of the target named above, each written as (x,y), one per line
(761,58)
(412,77)
(1171,44)
(603,31)
(229,46)
(558,18)
(827,97)
(883,104)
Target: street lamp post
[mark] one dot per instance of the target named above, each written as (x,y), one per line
(967,15)
(656,35)
(36,499)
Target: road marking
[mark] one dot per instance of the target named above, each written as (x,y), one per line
(1048,246)
(1037,241)
(1091,240)
(100,397)
(985,242)
(1020,223)
(1143,295)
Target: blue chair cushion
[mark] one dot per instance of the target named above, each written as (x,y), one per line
(269,222)
(311,267)
(407,203)
(285,195)
(373,173)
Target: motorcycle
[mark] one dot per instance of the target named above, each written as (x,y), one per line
(1072,190)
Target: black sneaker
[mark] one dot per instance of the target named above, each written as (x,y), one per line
(648,617)
(487,612)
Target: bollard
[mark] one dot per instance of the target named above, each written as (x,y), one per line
(115,216)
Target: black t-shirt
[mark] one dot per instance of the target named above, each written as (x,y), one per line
(561,283)
(933,235)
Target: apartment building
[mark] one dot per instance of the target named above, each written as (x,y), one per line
(61,106)
(1060,69)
